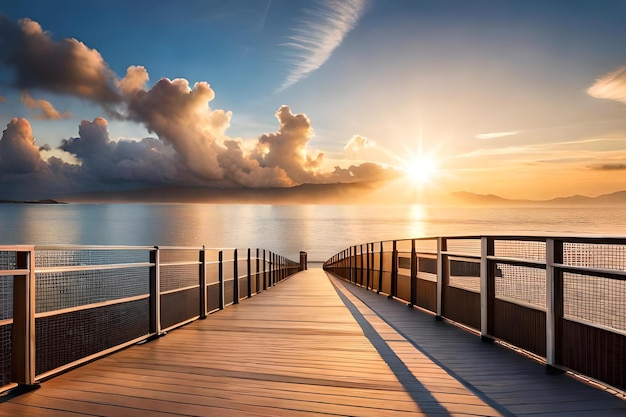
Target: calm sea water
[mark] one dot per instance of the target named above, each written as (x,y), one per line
(320,230)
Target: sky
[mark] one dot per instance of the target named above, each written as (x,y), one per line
(523,99)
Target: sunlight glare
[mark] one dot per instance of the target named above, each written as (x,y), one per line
(421,169)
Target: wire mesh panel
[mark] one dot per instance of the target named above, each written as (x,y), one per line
(64,338)
(521,283)
(6,297)
(213,297)
(168,255)
(212,273)
(179,307)
(228,292)
(62,290)
(521,249)
(243,287)
(5,354)
(48,258)
(7,261)
(597,300)
(595,255)
(519,308)
(464,246)
(174,277)
(426,246)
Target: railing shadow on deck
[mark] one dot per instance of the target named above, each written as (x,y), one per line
(560,299)
(61,306)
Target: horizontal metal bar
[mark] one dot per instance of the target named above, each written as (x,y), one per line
(518,262)
(13,272)
(463,258)
(55,269)
(179,263)
(461,254)
(179,289)
(91,306)
(16,248)
(90,247)
(198,248)
(617,274)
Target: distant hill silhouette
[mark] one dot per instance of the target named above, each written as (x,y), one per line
(339,193)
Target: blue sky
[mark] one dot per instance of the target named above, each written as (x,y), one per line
(528,92)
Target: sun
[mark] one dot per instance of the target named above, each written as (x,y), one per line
(421,169)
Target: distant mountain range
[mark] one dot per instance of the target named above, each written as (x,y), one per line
(617,198)
(340,193)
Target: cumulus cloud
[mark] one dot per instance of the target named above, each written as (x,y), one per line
(356,143)
(18,152)
(181,116)
(66,66)
(611,86)
(191,148)
(286,148)
(148,162)
(48,112)
(316,38)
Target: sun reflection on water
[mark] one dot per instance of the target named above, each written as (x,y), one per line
(417,221)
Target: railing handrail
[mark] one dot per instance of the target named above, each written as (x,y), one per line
(175,288)
(544,273)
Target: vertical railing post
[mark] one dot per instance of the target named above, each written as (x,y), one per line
(413,275)
(554,301)
(354,266)
(155,292)
(368,275)
(257,276)
(221,279)
(441,274)
(394,271)
(349,263)
(270,274)
(203,300)
(487,285)
(236,277)
(23,332)
(361,266)
(380,268)
(249,276)
(264,271)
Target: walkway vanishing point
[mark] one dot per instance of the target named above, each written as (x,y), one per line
(314,346)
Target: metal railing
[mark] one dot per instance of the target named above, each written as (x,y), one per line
(562,299)
(61,306)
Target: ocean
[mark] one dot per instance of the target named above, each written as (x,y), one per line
(320,230)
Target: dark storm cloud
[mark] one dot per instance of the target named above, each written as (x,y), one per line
(148,161)
(66,66)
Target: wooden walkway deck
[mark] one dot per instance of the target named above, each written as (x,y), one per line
(314,346)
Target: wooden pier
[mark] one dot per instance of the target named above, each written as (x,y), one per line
(315,346)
